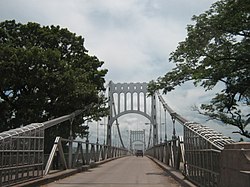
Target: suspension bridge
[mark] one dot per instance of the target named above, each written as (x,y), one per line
(200,156)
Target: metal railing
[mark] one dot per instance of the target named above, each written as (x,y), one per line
(22,151)
(197,155)
(171,153)
(202,153)
(21,154)
(84,153)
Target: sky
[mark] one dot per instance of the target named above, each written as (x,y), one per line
(133,37)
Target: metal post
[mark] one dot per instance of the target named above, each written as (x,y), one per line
(165,127)
(104,132)
(160,124)
(87,150)
(144,139)
(114,137)
(109,125)
(174,148)
(97,132)
(130,141)
(97,153)
(103,124)
(150,133)
(70,144)
(154,121)
(174,133)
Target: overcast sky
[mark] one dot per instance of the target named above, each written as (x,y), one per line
(133,37)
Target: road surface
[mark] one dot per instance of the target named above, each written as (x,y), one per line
(124,172)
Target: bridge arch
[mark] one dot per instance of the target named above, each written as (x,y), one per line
(131,112)
(132,98)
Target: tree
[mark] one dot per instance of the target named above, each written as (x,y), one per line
(216,51)
(45,73)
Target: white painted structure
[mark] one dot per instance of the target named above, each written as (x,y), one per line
(130,98)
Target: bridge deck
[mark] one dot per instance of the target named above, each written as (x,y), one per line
(126,172)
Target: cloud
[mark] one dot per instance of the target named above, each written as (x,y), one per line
(134,38)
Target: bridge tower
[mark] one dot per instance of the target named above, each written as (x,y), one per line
(137,136)
(127,95)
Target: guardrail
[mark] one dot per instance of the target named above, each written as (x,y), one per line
(170,153)
(21,154)
(84,153)
(197,155)
(22,151)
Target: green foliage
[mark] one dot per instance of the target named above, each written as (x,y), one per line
(45,73)
(217,50)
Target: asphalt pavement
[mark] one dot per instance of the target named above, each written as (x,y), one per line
(128,171)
